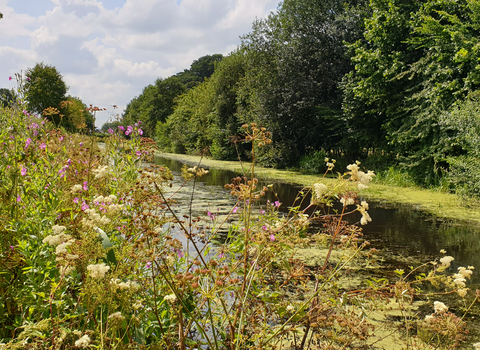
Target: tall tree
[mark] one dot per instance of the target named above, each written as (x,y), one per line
(296,60)
(6,97)
(46,90)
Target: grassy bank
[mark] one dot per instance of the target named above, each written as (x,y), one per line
(438,203)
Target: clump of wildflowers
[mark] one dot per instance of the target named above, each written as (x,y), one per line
(98,270)
(83,342)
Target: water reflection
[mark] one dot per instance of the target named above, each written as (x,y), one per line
(400,229)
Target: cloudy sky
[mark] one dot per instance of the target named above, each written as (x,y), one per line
(109,50)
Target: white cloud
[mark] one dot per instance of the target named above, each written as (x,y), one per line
(109,50)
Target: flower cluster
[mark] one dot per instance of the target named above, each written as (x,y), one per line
(98,270)
(361,177)
(101,171)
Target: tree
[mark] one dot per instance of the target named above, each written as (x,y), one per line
(7,97)
(296,60)
(45,89)
(417,60)
(74,115)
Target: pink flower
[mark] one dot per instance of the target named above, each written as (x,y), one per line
(24,112)
(85,206)
(85,186)
(262,211)
(110,131)
(75,200)
(10,78)
(19,199)
(148,264)
(42,145)
(277,204)
(28,142)
(121,128)
(264,227)
(138,153)
(23,171)
(272,238)
(28,79)
(61,138)
(140,131)
(234,210)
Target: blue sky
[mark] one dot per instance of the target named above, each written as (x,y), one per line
(109,50)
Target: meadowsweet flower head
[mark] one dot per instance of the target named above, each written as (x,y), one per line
(446,260)
(347,201)
(83,342)
(116,316)
(462,292)
(58,229)
(98,270)
(170,297)
(319,189)
(439,307)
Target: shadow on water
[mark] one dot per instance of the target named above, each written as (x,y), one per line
(400,230)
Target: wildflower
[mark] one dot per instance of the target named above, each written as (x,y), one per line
(110,131)
(23,171)
(57,239)
(75,200)
(42,145)
(62,248)
(277,204)
(28,143)
(61,138)
(148,265)
(471,268)
(290,308)
(121,128)
(319,190)
(462,292)
(459,281)
(347,201)
(101,172)
(234,210)
(264,227)
(197,171)
(443,251)
(140,132)
(98,270)
(170,297)
(446,260)
(116,316)
(19,198)
(272,238)
(85,186)
(58,229)
(439,307)
(9,78)
(476,346)
(83,342)
(76,188)
(28,79)
(429,318)
(137,305)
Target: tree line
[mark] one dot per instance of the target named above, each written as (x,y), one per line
(389,82)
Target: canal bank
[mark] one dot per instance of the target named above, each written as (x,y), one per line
(440,204)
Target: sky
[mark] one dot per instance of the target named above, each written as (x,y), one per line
(108,51)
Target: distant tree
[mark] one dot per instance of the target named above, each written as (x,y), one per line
(6,97)
(74,115)
(46,89)
(205,66)
(111,125)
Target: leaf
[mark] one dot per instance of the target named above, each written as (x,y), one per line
(107,245)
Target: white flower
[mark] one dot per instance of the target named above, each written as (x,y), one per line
(429,318)
(464,272)
(439,307)
(476,346)
(170,297)
(62,248)
(443,251)
(76,188)
(56,240)
(83,341)
(99,270)
(460,282)
(116,316)
(319,190)
(347,201)
(446,260)
(290,308)
(101,171)
(99,199)
(138,304)
(462,292)
(58,229)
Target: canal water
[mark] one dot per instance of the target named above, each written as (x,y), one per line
(401,232)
